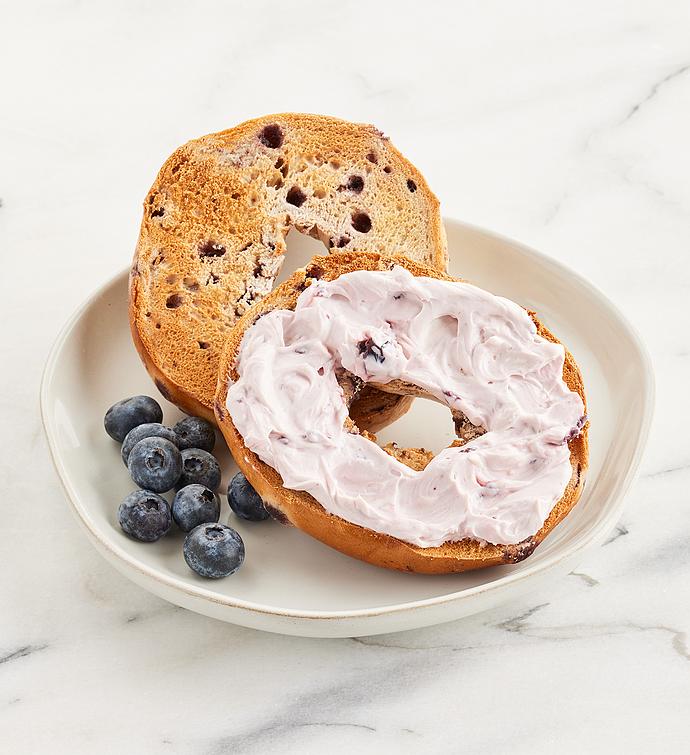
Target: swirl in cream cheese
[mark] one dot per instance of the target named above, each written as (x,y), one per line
(477,353)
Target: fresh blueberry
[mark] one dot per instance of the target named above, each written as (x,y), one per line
(194,505)
(195,432)
(200,467)
(147,430)
(144,516)
(155,464)
(213,550)
(129,413)
(244,500)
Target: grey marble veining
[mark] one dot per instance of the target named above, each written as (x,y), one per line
(562,125)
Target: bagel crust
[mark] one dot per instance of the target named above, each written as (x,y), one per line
(212,237)
(303,511)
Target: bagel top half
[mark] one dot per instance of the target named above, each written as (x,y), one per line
(303,511)
(213,233)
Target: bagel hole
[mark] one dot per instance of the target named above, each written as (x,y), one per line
(300,249)
(428,424)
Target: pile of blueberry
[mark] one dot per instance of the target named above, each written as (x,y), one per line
(161,458)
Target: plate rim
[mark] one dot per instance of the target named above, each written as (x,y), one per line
(583,540)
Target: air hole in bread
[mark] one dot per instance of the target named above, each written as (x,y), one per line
(388,169)
(158,213)
(372,158)
(212,279)
(211,249)
(204,344)
(174,301)
(158,326)
(183,161)
(275,181)
(296,197)
(411,185)
(271,136)
(235,195)
(190,284)
(282,166)
(361,222)
(158,259)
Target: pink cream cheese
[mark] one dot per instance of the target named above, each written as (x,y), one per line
(473,351)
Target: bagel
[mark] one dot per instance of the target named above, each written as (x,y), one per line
(300,508)
(212,237)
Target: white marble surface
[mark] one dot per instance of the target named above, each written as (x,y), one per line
(564,125)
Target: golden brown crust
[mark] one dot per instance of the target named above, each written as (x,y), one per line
(304,512)
(213,234)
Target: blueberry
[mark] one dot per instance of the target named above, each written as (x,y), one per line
(147,430)
(194,505)
(129,413)
(200,467)
(213,550)
(195,432)
(244,500)
(155,464)
(144,516)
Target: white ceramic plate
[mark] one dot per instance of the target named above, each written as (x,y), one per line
(289,582)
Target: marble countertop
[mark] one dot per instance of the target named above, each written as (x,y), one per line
(563,125)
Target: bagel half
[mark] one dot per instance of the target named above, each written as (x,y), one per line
(213,234)
(303,511)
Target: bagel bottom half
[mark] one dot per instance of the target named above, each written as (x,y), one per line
(303,511)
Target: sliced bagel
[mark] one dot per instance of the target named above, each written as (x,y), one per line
(302,510)
(213,234)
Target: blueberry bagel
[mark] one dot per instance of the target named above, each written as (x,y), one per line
(213,235)
(515,393)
